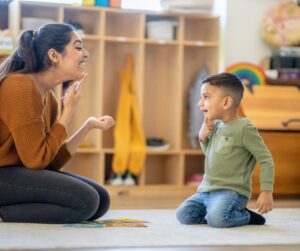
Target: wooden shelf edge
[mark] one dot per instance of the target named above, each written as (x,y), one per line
(283,82)
(88,150)
(149,152)
(201,43)
(122,39)
(192,152)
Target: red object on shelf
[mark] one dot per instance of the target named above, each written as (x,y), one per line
(195,179)
(115,3)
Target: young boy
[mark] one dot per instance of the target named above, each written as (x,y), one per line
(232,146)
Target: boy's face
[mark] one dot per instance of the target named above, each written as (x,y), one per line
(212,101)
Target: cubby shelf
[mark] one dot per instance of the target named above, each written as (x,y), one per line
(164,72)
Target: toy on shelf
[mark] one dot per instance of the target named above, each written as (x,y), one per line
(281,25)
(250,74)
(157,144)
(115,3)
(102,3)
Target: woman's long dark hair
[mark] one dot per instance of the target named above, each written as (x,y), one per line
(31,53)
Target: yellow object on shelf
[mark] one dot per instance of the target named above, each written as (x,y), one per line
(88,2)
(130,145)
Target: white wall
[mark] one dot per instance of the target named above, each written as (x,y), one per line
(242,41)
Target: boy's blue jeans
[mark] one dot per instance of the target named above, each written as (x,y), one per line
(221,208)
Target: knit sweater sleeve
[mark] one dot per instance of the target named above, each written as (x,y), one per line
(63,155)
(24,116)
(254,143)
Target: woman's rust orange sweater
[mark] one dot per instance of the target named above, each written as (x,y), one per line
(29,132)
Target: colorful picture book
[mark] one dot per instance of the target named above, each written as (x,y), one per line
(121,222)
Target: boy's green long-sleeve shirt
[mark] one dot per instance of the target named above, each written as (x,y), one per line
(231,152)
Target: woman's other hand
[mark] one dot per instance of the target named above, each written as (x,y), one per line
(104,122)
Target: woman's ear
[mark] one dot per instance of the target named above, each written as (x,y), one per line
(228,102)
(54,56)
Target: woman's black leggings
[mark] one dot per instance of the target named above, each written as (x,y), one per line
(43,196)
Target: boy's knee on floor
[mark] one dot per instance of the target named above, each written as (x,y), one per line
(179,215)
(189,215)
(216,219)
(182,216)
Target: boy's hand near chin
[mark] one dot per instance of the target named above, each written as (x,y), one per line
(206,128)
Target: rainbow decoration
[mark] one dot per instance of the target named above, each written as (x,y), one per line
(250,74)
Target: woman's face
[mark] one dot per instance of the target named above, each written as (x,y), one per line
(73,58)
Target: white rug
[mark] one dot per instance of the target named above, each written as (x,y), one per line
(283,227)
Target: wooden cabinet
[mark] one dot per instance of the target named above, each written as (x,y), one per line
(284,147)
(164,72)
(275,111)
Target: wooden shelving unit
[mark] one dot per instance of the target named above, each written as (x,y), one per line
(164,72)
(284,82)
(3,24)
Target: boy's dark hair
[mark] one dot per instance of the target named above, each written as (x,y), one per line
(230,83)
(31,53)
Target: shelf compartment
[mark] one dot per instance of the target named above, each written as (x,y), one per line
(88,165)
(84,17)
(166,27)
(204,28)
(195,58)
(89,102)
(194,165)
(114,62)
(162,170)
(88,37)
(108,160)
(108,157)
(39,11)
(116,21)
(162,92)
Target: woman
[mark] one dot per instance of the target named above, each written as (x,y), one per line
(32,135)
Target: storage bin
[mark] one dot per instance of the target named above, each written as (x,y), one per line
(161,29)
(88,2)
(115,3)
(33,23)
(102,3)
